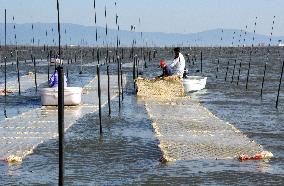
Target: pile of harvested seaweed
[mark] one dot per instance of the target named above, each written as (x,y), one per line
(160,89)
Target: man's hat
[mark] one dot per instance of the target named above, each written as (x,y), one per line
(162,62)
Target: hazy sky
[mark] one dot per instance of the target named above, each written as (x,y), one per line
(172,16)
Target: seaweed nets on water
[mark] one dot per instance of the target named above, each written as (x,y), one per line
(188,131)
(166,89)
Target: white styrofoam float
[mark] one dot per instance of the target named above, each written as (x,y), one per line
(72,96)
(194,83)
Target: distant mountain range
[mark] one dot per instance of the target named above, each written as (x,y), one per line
(72,34)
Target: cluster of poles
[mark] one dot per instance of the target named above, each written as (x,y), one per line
(60,70)
(238,52)
(61,91)
(236,66)
(236,71)
(267,58)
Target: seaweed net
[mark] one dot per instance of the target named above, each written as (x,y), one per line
(19,135)
(187,130)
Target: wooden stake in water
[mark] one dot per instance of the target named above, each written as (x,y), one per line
(108,91)
(131,53)
(99,96)
(61,123)
(34,60)
(60,106)
(5,74)
(145,62)
(239,72)
(234,71)
(201,61)
(98,55)
(121,79)
(263,78)
(93,54)
(5,58)
(48,64)
(118,81)
(81,68)
(133,70)
(107,55)
(67,69)
(217,70)
(18,72)
(227,70)
(187,59)
(279,87)
(248,70)
(137,69)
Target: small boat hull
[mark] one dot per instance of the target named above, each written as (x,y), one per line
(72,96)
(194,83)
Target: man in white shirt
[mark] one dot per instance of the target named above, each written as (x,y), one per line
(178,63)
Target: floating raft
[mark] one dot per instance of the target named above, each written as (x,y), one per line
(22,133)
(188,131)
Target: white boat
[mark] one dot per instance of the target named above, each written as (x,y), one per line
(72,96)
(194,83)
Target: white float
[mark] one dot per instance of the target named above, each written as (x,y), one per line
(194,83)
(72,96)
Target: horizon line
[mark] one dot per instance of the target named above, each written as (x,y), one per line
(217,28)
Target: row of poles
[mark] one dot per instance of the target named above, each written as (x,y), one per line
(61,105)
(51,56)
(248,74)
(60,71)
(267,59)
(237,68)
(248,71)
(61,94)
(242,38)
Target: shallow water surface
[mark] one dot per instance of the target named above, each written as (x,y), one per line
(127,152)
